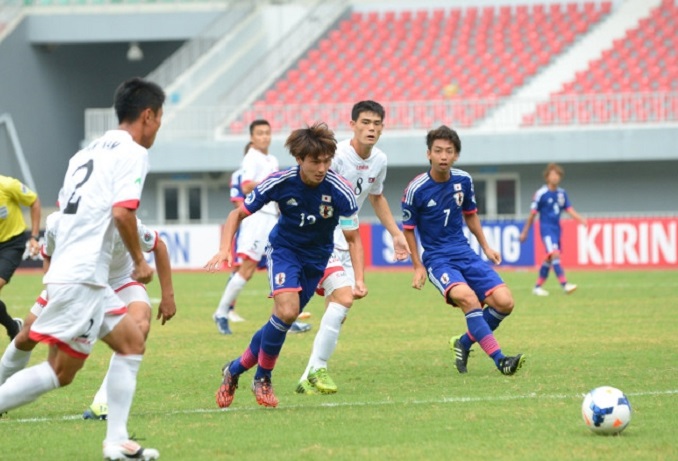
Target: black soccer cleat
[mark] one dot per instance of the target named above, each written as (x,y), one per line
(460,354)
(509,365)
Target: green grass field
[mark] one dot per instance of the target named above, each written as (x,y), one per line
(400,397)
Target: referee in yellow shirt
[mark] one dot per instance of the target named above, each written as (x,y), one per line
(13,195)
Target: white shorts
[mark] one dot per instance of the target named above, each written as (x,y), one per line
(338,273)
(40,304)
(133,292)
(253,235)
(73,317)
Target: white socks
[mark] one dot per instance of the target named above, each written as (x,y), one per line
(101,397)
(27,385)
(326,339)
(12,361)
(233,288)
(122,382)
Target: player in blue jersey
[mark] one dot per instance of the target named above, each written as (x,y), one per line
(436,204)
(549,201)
(312,200)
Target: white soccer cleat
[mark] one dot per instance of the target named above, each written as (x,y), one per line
(569,288)
(234,317)
(539,291)
(129,450)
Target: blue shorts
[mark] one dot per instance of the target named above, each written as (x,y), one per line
(468,268)
(551,239)
(288,270)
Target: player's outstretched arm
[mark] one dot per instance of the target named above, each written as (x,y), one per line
(476,228)
(355,250)
(526,227)
(167,308)
(419,278)
(34,246)
(383,212)
(126,223)
(572,212)
(234,219)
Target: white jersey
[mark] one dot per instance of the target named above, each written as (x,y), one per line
(256,166)
(109,172)
(366,176)
(122,264)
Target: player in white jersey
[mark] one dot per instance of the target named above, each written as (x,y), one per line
(132,293)
(364,166)
(253,233)
(101,192)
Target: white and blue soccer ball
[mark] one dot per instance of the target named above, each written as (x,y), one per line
(606,410)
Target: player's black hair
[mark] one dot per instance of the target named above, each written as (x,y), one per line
(247,147)
(444,132)
(134,96)
(367,106)
(314,141)
(258,122)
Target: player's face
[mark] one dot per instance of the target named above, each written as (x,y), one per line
(553,178)
(261,138)
(152,123)
(367,129)
(442,156)
(314,169)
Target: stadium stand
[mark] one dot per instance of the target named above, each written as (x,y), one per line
(462,54)
(640,70)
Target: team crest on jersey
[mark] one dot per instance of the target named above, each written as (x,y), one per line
(326,211)
(371,180)
(457,187)
(147,236)
(445,279)
(280,278)
(459,198)
(326,198)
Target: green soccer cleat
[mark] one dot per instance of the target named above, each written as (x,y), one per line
(460,354)
(509,365)
(305,388)
(96,411)
(322,381)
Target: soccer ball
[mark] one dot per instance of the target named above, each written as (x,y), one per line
(606,410)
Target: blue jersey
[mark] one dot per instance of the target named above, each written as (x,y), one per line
(308,215)
(435,209)
(549,204)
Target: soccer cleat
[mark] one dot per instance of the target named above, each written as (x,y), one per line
(227,389)
(304,315)
(322,381)
(460,354)
(96,411)
(222,325)
(129,450)
(569,288)
(300,327)
(262,389)
(539,291)
(234,317)
(19,325)
(509,365)
(306,388)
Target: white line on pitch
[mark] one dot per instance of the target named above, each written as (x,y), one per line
(500,398)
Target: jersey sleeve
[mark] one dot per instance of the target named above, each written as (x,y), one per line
(129,180)
(568,204)
(379,180)
(261,195)
(22,193)
(409,209)
(469,203)
(51,225)
(248,172)
(148,238)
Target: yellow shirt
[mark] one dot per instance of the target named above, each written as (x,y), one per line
(13,194)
